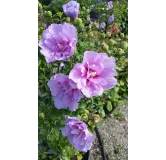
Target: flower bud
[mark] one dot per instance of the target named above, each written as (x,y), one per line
(111,42)
(86,111)
(88,18)
(122,35)
(90,123)
(108,35)
(90,34)
(96,25)
(44,7)
(102,35)
(89,27)
(115,50)
(105,47)
(124,45)
(81,26)
(48,13)
(84,117)
(41,115)
(120,51)
(96,118)
(68,19)
(78,21)
(81,13)
(83,8)
(87,11)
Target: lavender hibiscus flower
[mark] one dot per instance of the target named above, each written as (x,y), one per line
(78,134)
(58,42)
(65,92)
(95,74)
(110,5)
(111,19)
(102,25)
(71,9)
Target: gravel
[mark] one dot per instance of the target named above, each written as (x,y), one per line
(114,133)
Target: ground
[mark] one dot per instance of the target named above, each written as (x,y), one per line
(114,133)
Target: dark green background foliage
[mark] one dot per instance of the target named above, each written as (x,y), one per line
(93,38)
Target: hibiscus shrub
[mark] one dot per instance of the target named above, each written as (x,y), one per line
(82,65)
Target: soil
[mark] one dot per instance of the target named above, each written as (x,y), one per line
(114,133)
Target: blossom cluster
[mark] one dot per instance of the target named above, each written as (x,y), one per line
(90,78)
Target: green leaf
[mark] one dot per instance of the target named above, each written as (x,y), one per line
(116,89)
(109,106)
(79,157)
(39,62)
(121,83)
(116,104)
(102,114)
(53,147)
(82,105)
(56,132)
(43,156)
(118,84)
(59,14)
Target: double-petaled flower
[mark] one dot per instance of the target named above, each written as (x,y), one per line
(78,134)
(95,74)
(58,42)
(65,92)
(71,9)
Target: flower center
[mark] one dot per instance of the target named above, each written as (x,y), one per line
(60,46)
(92,74)
(65,89)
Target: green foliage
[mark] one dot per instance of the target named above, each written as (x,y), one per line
(121,15)
(117,114)
(91,38)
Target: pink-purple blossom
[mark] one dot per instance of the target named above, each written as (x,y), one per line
(102,25)
(110,5)
(95,74)
(78,134)
(64,92)
(71,9)
(58,42)
(111,19)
